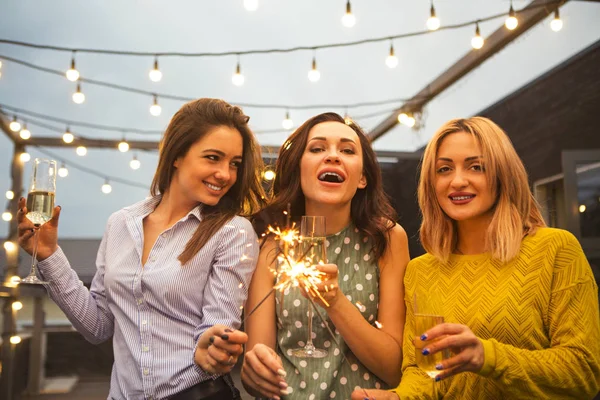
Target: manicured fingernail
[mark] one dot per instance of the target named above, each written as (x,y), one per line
(281,372)
(211,339)
(228,330)
(424,336)
(439,367)
(59,207)
(425,352)
(225,337)
(437,378)
(283,384)
(284,392)
(276,398)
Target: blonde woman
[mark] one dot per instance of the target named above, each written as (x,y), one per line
(519,299)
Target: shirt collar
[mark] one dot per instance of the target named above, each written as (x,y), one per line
(146,206)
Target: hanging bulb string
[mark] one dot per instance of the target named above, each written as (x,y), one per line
(273,50)
(186,99)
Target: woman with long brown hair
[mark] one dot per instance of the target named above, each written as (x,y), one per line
(519,300)
(328,168)
(173,270)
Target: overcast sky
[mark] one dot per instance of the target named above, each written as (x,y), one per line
(348,75)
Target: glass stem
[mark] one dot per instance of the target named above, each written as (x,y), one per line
(309,342)
(35,249)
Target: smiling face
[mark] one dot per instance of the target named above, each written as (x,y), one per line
(210,166)
(461,186)
(331,168)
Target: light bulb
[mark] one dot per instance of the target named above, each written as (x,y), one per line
(68,136)
(15,339)
(391,61)
(72,73)
(81,151)
(25,134)
(123,146)
(556,24)
(477,40)
(10,194)
(24,157)
(14,280)
(6,216)
(15,126)
(10,246)
(135,163)
(269,175)
(403,118)
(287,122)
(63,171)
(251,5)
(512,21)
(106,188)
(314,74)
(410,122)
(433,22)
(347,119)
(17,305)
(238,79)
(582,208)
(348,19)
(78,96)
(155,74)
(155,108)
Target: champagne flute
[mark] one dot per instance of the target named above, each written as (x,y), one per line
(40,205)
(428,313)
(312,233)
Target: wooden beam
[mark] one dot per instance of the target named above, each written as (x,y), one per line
(528,17)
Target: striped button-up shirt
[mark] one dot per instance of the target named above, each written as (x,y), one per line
(156,312)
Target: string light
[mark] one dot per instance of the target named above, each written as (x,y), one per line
(433,22)
(81,151)
(251,5)
(15,125)
(347,119)
(556,24)
(477,40)
(269,175)
(391,61)
(407,120)
(135,163)
(106,188)
(15,339)
(9,246)
(78,96)
(68,136)
(287,122)
(10,194)
(25,134)
(512,21)
(63,172)
(314,75)
(582,208)
(238,79)
(123,146)
(17,305)
(7,216)
(155,75)
(348,19)
(155,109)
(24,157)
(13,280)
(72,73)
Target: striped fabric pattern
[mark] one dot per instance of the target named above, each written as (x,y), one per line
(537,317)
(156,312)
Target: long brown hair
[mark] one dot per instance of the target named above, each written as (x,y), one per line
(516,212)
(194,120)
(370,209)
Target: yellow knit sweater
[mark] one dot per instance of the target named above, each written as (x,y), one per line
(536,316)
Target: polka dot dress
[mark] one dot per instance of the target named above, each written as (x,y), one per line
(330,377)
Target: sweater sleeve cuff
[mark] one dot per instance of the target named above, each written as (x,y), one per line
(55,266)
(489,361)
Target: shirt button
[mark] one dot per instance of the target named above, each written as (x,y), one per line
(152,259)
(146,371)
(145,348)
(140,301)
(144,322)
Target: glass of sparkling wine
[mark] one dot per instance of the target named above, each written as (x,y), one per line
(427,313)
(312,232)
(40,205)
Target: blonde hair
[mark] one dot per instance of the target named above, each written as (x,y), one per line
(515,212)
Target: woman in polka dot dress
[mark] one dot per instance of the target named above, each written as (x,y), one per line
(328,168)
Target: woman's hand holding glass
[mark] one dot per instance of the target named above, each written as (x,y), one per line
(328,288)
(47,233)
(462,342)
(219,348)
(263,371)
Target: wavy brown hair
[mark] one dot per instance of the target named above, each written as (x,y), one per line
(190,124)
(370,209)
(515,212)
